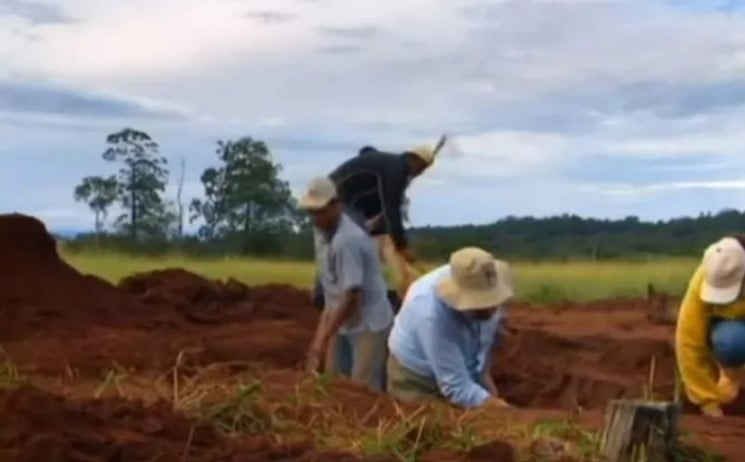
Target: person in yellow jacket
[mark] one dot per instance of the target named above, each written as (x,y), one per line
(710,334)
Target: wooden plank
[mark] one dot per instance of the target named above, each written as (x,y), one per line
(637,431)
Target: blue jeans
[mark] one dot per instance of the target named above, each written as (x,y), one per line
(727,339)
(362,357)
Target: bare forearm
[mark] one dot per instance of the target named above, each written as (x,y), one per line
(336,318)
(321,328)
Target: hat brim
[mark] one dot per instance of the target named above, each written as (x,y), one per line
(720,295)
(313,204)
(469,300)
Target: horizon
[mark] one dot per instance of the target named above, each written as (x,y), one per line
(580,107)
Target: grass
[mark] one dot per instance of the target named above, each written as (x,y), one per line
(536,282)
(255,403)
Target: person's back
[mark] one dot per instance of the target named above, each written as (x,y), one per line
(372,184)
(442,338)
(430,317)
(371,187)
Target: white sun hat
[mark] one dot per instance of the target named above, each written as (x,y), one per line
(724,270)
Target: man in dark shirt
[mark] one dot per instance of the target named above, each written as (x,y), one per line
(372,187)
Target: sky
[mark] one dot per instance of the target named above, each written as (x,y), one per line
(602,108)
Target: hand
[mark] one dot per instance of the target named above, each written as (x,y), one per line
(314,360)
(729,384)
(490,387)
(371,223)
(406,254)
(497,402)
(712,410)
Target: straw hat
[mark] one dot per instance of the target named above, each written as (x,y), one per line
(320,192)
(424,152)
(477,281)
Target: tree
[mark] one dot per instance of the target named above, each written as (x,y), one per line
(99,193)
(142,182)
(245,195)
(179,201)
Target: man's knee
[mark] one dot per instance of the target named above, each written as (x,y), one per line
(728,343)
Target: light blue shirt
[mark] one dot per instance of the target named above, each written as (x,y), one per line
(350,260)
(435,341)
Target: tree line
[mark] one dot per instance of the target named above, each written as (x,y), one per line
(247,208)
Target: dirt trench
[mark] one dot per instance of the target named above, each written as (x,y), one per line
(55,321)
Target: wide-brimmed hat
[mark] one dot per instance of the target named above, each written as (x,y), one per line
(424,152)
(724,270)
(319,193)
(477,281)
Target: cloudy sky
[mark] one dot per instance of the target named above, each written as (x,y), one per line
(602,108)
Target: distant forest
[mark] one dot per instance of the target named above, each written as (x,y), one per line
(555,238)
(573,237)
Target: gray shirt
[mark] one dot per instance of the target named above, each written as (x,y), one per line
(350,260)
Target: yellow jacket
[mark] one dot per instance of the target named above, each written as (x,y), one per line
(698,370)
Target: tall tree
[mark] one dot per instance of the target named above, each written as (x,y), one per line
(245,193)
(143,179)
(179,200)
(99,193)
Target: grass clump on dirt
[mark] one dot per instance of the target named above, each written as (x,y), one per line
(537,282)
(337,415)
(293,406)
(9,373)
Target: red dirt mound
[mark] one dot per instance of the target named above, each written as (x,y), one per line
(36,426)
(196,298)
(38,289)
(203,300)
(54,319)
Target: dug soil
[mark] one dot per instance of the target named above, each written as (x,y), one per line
(56,322)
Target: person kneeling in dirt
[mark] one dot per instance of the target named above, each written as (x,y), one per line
(443,336)
(710,334)
(354,325)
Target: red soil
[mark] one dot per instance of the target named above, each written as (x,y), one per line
(36,426)
(572,356)
(54,320)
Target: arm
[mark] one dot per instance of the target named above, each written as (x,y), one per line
(332,320)
(489,351)
(697,369)
(487,378)
(392,187)
(317,296)
(351,273)
(446,360)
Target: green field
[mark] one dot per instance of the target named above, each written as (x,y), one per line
(538,282)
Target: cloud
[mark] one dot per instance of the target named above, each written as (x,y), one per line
(270,17)
(637,190)
(726,6)
(546,99)
(34,12)
(339,49)
(48,99)
(352,33)
(665,99)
